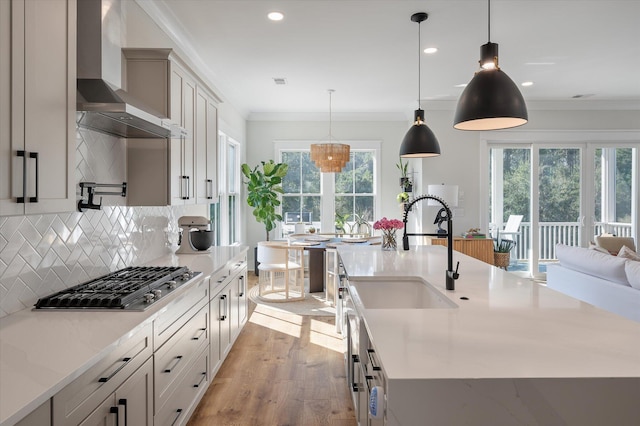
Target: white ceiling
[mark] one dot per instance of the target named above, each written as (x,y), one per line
(367,50)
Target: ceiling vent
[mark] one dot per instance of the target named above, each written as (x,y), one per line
(281,81)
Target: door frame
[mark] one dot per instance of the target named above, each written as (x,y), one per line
(588,141)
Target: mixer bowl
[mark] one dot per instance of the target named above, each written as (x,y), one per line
(201,240)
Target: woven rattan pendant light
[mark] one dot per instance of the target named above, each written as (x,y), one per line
(330,157)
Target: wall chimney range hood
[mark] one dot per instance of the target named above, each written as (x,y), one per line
(101,104)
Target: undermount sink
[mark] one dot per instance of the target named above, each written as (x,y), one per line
(402,294)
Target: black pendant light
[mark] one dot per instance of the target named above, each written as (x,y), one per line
(419,140)
(491,101)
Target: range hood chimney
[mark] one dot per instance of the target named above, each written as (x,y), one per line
(101,103)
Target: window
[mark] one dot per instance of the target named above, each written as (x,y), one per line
(329,202)
(225,214)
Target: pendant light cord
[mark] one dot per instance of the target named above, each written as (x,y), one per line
(489,21)
(419,103)
(330,135)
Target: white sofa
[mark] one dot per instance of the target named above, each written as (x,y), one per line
(608,282)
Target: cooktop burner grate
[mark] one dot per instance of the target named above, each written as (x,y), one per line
(135,287)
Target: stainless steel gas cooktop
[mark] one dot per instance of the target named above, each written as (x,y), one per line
(134,288)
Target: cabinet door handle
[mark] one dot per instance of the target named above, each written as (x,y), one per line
(223,311)
(222,279)
(243,289)
(177,361)
(209,189)
(201,330)
(37,158)
(23,154)
(204,377)
(125,361)
(123,403)
(178,414)
(185,187)
(116,411)
(374,365)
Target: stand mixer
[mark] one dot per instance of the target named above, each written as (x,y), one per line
(195,237)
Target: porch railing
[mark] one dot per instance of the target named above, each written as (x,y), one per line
(552,233)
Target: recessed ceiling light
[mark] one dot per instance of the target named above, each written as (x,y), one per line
(275,16)
(280,80)
(430,50)
(461,85)
(527,83)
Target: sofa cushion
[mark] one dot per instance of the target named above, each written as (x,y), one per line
(592,262)
(633,273)
(614,244)
(627,253)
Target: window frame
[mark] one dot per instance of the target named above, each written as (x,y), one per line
(327,180)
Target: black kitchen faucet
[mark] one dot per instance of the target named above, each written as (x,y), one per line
(451,275)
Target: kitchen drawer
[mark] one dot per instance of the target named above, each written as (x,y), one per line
(224,276)
(84,394)
(177,313)
(186,395)
(178,353)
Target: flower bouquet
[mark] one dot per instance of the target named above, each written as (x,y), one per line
(388,228)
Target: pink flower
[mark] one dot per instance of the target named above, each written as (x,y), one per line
(388,224)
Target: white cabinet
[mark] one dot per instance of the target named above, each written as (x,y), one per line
(37,99)
(181,343)
(109,382)
(41,416)
(182,150)
(228,309)
(130,404)
(206,147)
(164,83)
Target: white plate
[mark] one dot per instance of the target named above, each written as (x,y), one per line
(334,245)
(354,240)
(317,238)
(305,243)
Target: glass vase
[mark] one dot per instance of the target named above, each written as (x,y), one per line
(389,242)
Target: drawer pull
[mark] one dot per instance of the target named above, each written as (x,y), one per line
(204,377)
(202,331)
(179,413)
(177,361)
(125,361)
(224,277)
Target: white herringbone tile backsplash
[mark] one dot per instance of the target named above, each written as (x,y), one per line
(41,254)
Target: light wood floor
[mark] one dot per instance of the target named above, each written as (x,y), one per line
(283,369)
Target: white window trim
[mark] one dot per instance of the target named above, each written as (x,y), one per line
(223,189)
(327,202)
(604,138)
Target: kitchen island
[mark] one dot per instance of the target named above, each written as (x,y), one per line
(502,350)
(42,352)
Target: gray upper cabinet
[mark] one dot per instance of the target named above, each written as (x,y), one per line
(37,106)
(164,83)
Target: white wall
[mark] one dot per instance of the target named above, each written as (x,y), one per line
(459,162)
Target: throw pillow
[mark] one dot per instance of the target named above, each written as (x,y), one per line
(592,246)
(627,253)
(633,273)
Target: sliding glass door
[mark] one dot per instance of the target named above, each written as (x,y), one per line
(566,193)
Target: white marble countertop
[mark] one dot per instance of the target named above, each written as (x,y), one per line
(43,351)
(509,327)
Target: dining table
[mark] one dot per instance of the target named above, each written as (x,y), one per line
(316,245)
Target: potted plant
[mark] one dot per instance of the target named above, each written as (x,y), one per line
(502,252)
(263,186)
(340,222)
(405,181)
